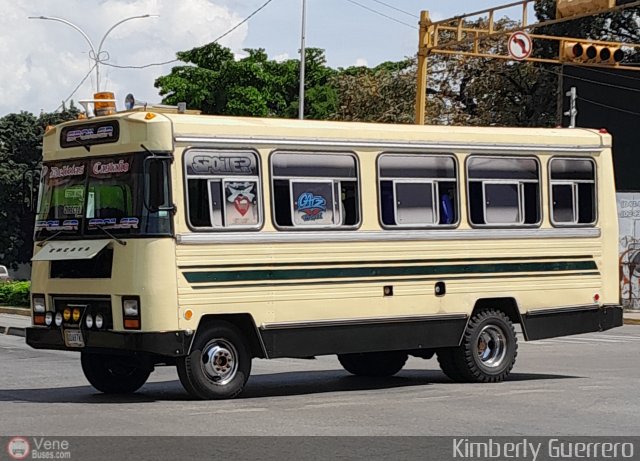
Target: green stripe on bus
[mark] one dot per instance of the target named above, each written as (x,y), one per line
(360,272)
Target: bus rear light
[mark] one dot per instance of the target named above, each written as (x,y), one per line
(38,319)
(58,319)
(99,321)
(76,314)
(88,321)
(66,314)
(48,318)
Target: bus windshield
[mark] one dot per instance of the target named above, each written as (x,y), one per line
(86,197)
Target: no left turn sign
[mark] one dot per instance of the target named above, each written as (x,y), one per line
(520,45)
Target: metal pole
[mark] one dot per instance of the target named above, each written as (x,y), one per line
(573,111)
(302,61)
(421,90)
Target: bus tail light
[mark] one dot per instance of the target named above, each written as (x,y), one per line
(39,308)
(131,313)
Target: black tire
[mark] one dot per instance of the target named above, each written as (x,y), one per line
(487,353)
(376,364)
(115,374)
(218,365)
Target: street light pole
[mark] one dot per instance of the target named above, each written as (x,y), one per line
(94,55)
(302,61)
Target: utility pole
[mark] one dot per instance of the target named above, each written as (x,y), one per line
(573,111)
(302,61)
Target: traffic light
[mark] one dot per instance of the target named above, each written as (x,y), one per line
(591,53)
(567,8)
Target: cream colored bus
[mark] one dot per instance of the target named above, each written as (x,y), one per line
(204,242)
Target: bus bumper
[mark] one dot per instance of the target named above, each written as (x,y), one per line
(166,343)
(551,323)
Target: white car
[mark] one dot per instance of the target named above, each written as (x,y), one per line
(4,273)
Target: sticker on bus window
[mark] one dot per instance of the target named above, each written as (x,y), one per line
(103,167)
(241,208)
(64,171)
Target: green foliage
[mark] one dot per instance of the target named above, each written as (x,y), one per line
(20,151)
(216,83)
(384,94)
(15,293)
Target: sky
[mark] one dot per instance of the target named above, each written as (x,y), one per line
(44,62)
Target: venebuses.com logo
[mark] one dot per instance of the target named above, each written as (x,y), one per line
(18,448)
(38,448)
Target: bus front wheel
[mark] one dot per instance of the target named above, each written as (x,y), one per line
(114,374)
(375,364)
(487,352)
(218,365)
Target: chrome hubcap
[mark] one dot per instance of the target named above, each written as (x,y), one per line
(219,361)
(492,346)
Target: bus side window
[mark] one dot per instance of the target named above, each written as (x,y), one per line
(315,190)
(504,191)
(573,191)
(223,189)
(417,190)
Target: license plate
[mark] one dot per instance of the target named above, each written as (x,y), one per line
(73,338)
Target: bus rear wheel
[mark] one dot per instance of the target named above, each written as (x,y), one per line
(218,365)
(114,374)
(488,350)
(377,364)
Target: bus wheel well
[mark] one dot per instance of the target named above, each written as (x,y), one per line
(508,306)
(244,323)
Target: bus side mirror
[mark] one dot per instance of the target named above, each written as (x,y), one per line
(156,173)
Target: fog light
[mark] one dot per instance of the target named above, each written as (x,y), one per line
(58,319)
(99,321)
(66,314)
(48,318)
(76,315)
(88,321)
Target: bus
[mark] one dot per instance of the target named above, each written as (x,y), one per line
(166,237)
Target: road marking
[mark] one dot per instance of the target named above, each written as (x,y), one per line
(235,410)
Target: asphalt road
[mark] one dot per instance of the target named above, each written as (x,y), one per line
(580,385)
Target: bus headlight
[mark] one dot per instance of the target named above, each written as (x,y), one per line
(38,304)
(48,318)
(58,319)
(131,308)
(99,321)
(88,320)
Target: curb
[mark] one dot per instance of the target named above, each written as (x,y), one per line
(632,321)
(15,310)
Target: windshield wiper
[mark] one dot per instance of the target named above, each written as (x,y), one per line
(51,237)
(120,241)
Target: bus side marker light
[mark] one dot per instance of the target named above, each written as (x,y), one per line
(188,314)
(388,290)
(149,116)
(596,297)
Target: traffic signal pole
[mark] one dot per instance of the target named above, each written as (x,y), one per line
(581,52)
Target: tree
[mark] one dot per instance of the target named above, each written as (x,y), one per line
(20,151)
(384,94)
(216,83)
